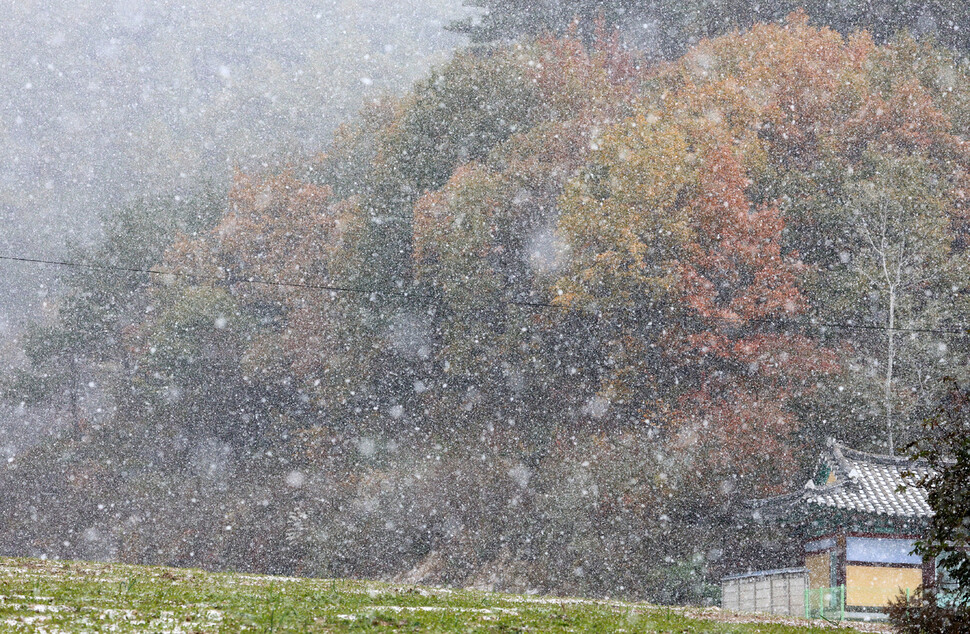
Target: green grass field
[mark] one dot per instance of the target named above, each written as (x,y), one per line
(48,596)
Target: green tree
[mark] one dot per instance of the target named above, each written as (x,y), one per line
(191,375)
(51,374)
(509,19)
(946,447)
(83,343)
(668,29)
(486,247)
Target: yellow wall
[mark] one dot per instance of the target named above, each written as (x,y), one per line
(876,586)
(819,570)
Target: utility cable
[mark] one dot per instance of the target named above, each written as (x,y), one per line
(257,281)
(964,330)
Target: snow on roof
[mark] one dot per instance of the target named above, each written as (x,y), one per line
(869,483)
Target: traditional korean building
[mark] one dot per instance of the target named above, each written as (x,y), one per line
(857,520)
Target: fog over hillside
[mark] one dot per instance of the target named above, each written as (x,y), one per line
(104,102)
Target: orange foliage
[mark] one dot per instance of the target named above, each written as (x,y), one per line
(738,287)
(278,229)
(736,272)
(600,81)
(789,85)
(743,434)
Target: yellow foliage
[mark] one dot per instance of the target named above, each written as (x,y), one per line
(625,218)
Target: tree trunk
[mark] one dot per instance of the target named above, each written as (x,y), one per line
(73,396)
(890,360)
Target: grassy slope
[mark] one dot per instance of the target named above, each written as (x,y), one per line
(74,596)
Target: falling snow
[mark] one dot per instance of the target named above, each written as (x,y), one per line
(532,297)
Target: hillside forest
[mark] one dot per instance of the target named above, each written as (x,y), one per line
(543,323)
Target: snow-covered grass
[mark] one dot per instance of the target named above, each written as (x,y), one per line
(47,596)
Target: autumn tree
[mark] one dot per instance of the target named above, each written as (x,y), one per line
(272,264)
(736,344)
(669,237)
(486,247)
(824,125)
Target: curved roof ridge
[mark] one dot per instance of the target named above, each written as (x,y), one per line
(872,483)
(846,453)
(865,483)
(837,453)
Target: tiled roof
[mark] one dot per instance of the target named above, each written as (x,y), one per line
(869,483)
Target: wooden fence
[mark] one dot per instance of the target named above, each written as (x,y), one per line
(771,591)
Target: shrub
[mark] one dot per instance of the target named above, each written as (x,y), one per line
(922,613)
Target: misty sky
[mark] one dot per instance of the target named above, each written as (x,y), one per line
(101,102)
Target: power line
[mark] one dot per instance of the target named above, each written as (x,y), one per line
(964,330)
(261,282)
(195,277)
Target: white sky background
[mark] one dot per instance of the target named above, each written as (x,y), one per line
(103,101)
